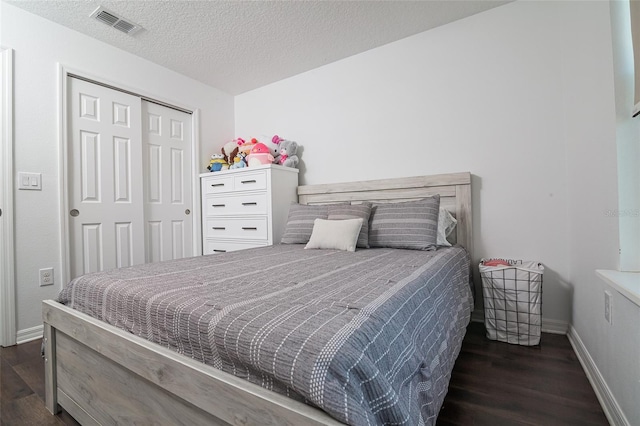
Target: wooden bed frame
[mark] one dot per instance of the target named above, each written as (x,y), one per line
(103,375)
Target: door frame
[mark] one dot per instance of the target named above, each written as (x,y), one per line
(8,331)
(63,73)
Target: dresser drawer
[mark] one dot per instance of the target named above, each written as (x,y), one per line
(241,228)
(217,185)
(223,182)
(221,246)
(233,205)
(250,181)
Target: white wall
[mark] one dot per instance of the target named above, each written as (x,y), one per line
(484,94)
(627,136)
(593,178)
(39,45)
(523,97)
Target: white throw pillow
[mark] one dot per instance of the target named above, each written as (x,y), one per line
(335,234)
(446,225)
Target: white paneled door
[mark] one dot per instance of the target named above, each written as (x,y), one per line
(129,191)
(106,214)
(166,136)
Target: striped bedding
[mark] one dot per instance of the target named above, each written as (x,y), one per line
(370,337)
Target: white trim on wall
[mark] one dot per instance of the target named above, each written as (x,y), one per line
(554,326)
(195,184)
(7,247)
(63,74)
(29,334)
(65,270)
(610,406)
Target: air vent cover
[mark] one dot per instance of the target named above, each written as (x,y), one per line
(114,20)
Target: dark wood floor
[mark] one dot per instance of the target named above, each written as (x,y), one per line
(22,388)
(493,384)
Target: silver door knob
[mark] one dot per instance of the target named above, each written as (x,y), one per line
(187,212)
(74,212)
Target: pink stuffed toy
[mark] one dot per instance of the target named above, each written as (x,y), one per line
(246,146)
(259,155)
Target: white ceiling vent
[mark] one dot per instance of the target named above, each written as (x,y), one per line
(114,20)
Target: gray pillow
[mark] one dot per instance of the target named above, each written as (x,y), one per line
(300,222)
(354,211)
(409,225)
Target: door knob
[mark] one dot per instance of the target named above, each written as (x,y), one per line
(74,212)
(187,212)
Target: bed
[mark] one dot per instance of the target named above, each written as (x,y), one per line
(279,329)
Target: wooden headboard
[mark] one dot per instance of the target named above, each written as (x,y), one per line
(454,190)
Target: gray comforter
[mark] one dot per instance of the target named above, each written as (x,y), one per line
(369,337)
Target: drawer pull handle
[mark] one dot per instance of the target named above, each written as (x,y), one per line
(218,228)
(248,181)
(249,228)
(249,204)
(219,251)
(217,184)
(217,205)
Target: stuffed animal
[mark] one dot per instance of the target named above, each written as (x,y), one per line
(288,154)
(230,149)
(239,161)
(273,145)
(217,163)
(279,143)
(260,154)
(246,147)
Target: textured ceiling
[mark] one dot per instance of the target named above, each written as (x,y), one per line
(238,46)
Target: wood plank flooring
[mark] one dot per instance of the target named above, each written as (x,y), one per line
(22,388)
(493,383)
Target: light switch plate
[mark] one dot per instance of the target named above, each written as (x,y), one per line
(31,181)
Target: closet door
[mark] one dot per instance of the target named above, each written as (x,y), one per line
(106,220)
(166,135)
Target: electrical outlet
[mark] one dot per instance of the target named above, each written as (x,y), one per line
(607,307)
(46,276)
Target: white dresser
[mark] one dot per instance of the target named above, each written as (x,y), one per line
(245,208)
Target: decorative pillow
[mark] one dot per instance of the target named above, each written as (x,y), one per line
(300,222)
(354,211)
(335,234)
(409,225)
(446,225)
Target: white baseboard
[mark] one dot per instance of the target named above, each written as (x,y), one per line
(612,410)
(548,325)
(554,326)
(29,334)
